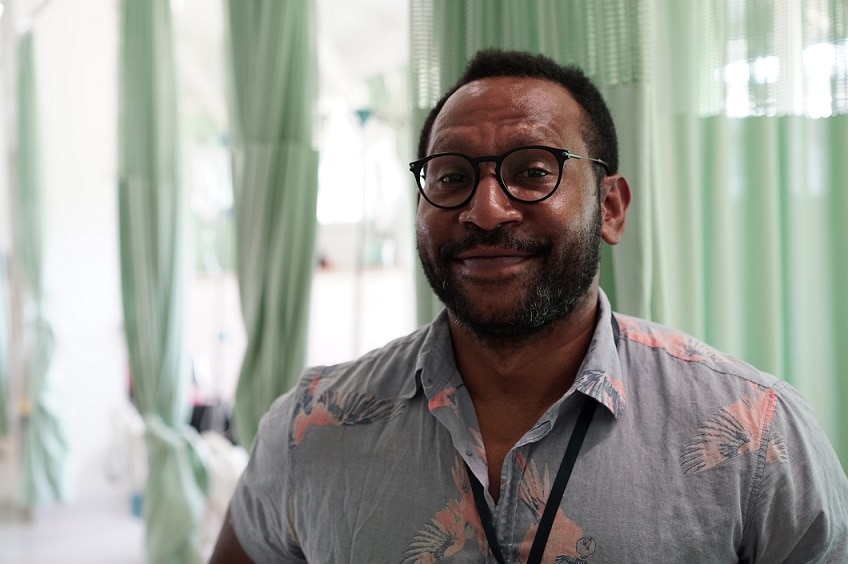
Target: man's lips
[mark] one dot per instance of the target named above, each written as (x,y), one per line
(491,253)
(490,260)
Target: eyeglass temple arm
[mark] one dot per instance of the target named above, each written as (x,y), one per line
(581,157)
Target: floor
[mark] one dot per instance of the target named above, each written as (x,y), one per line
(93,530)
(96,528)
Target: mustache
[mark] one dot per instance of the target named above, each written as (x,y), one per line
(501,238)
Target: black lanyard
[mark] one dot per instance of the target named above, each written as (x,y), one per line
(554,498)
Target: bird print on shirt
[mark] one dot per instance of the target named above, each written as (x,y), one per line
(604,388)
(454,527)
(446,398)
(678,345)
(333,408)
(735,430)
(567,543)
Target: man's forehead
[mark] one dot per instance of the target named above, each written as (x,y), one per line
(536,105)
(508,82)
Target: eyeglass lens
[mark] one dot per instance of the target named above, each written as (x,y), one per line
(528,174)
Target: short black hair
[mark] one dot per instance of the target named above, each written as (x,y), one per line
(599,133)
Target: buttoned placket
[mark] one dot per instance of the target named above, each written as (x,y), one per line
(505,512)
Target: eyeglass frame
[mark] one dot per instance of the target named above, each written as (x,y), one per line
(561,155)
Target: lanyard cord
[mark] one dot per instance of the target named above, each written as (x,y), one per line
(564,473)
(540,541)
(554,498)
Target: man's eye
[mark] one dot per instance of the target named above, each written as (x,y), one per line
(453,178)
(533,173)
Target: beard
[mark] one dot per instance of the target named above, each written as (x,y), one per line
(568,266)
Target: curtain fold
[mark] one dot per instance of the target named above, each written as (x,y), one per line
(44,472)
(275,179)
(733,140)
(153,246)
(5,362)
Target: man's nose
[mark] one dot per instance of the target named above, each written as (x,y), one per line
(490,206)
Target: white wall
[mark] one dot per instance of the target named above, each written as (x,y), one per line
(77,46)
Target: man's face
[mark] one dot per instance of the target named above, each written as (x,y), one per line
(505,268)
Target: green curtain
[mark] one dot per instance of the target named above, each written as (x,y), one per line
(733,234)
(154,269)
(44,472)
(275,178)
(5,369)
(750,186)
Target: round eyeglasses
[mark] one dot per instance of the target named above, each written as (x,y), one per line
(527,174)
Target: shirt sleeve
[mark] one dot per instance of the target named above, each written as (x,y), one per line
(259,508)
(800,511)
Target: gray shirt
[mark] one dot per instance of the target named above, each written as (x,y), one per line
(692,456)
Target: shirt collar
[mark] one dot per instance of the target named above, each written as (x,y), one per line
(599,376)
(436,364)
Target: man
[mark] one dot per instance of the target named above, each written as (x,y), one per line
(456,442)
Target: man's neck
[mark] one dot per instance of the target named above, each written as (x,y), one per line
(511,387)
(537,370)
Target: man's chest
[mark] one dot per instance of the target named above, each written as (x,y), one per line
(390,497)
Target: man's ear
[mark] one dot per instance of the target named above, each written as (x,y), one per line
(615,199)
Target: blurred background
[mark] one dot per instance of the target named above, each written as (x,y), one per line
(200,197)
(363,278)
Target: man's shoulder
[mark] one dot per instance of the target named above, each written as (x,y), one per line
(387,370)
(367,390)
(685,352)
